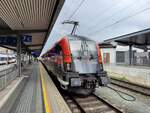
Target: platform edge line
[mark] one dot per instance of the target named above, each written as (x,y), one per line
(46,103)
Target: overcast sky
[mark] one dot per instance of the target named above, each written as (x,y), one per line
(101,19)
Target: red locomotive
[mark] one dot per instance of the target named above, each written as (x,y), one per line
(77,64)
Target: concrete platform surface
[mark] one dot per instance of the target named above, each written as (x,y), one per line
(30,98)
(35,92)
(54,102)
(10,93)
(135,74)
(140,105)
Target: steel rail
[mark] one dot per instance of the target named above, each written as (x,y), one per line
(107,103)
(131,86)
(78,105)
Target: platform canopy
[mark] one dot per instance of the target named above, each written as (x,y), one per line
(31,20)
(140,39)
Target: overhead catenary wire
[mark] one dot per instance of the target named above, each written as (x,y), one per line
(101,13)
(122,19)
(75,11)
(113,14)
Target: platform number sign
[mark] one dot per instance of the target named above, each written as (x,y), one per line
(36,54)
(12,41)
(26,38)
(8,40)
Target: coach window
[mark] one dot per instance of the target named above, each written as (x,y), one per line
(59,56)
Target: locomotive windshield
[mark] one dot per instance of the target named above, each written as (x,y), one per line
(83,49)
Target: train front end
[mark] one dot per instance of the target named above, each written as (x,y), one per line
(85,71)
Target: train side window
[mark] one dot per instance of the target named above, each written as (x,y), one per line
(3,59)
(59,56)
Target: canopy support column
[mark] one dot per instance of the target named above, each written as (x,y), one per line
(19,55)
(130,55)
(145,49)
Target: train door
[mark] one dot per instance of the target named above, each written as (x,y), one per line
(106,58)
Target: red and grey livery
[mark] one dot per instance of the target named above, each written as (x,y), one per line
(77,64)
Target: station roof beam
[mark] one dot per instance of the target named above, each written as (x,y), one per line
(139,39)
(29,17)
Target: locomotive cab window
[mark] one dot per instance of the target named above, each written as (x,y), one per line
(83,49)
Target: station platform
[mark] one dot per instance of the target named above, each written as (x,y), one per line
(34,92)
(135,74)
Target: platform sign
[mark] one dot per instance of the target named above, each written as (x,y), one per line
(26,38)
(12,41)
(36,54)
(9,40)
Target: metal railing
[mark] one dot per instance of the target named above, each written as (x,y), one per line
(7,75)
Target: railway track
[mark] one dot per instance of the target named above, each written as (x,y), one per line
(131,86)
(89,104)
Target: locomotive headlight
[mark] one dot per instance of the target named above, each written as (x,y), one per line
(68,66)
(101,67)
(75,82)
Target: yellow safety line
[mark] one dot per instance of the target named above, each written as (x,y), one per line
(46,103)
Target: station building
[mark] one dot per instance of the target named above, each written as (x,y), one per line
(128,57)
(120,55)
